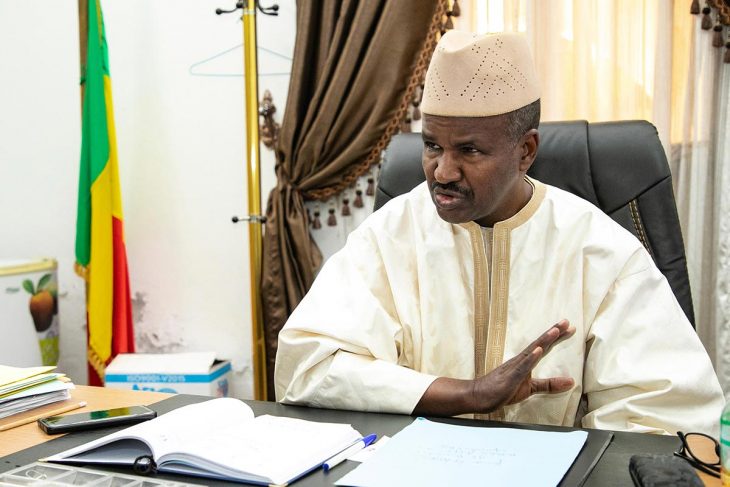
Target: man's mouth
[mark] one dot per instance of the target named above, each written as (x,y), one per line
(447,200)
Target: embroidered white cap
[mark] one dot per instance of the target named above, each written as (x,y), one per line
(474,75)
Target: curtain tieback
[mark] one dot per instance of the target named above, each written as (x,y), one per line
(283,179)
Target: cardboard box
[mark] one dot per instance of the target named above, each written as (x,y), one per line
(178,373)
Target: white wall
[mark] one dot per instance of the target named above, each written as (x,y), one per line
(39,151)
(182,166)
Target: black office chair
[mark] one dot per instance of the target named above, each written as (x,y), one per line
(618,166)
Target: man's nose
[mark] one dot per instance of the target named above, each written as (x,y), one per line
(447,169)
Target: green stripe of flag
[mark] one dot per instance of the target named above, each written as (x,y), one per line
(95,134)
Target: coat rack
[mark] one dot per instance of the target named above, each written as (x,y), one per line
(255,219)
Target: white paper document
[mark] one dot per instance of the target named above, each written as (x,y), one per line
(33,401)
(9,375)
(427,453)
(23,389)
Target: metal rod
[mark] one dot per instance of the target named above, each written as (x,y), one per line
(254,197)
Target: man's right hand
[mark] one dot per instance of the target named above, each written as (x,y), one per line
(509,383)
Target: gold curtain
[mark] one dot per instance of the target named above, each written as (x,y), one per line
(355,68)
(700,159)
(604,60)
(600,60)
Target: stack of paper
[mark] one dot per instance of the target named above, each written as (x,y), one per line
(23,389)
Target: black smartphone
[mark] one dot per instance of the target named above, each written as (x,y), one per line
(95,419)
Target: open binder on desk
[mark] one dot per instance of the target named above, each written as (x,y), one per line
(220,439)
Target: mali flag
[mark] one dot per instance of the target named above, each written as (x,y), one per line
(100,254)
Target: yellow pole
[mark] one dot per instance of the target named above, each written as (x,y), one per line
(254,196)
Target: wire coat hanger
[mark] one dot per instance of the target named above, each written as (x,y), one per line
(272,10)
(194,72)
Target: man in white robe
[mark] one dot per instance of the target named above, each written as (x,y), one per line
(440,301)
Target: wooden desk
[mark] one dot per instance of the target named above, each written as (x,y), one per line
(611,470)
(702,450)
(97,398)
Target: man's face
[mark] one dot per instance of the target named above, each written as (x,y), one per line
(474,171)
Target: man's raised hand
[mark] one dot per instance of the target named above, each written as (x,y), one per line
(512,381)
(509,383)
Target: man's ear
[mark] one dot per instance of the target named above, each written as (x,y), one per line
(529,144)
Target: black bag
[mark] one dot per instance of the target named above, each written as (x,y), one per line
(662,471)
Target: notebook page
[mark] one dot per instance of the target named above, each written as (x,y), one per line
(176,430)
(277,448)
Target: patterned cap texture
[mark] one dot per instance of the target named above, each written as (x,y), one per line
(474,75)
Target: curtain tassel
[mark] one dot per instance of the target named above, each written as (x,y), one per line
(370,191)
(456,10)
(695,8)
(358,199)
(449,23)
(332,219)
(405,127)
(416,110)
(717,40)
(346,206)
(706,20)
(726,58)
(316,223)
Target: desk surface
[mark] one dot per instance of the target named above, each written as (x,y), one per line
(96,398)
(27,443)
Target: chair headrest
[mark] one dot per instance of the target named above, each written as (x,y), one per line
(608,164)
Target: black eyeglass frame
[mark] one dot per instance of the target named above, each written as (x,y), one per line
(685,452)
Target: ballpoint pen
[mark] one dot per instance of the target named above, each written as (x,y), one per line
(348,452)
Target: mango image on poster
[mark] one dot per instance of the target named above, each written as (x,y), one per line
(43,307)
(43,303)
